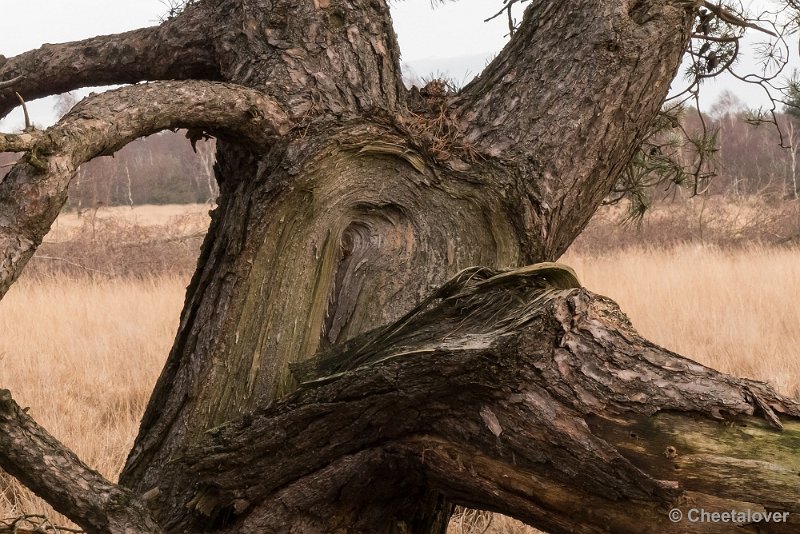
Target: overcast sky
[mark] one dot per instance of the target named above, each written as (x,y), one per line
(451,39)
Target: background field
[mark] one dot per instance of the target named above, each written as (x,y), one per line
(85,331)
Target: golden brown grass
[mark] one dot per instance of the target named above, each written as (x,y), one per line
(84,354)
(144,215)
(735,311)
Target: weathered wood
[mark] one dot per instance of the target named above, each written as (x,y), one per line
(502,392)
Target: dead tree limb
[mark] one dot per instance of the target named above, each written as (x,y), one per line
(507,392)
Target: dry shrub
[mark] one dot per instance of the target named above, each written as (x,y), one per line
(110,243)
(468,521)
(719,221)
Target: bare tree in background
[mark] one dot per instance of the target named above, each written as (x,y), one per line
(206,154)
(365,342)
(64,103)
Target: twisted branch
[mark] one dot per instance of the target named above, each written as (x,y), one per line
(34,191)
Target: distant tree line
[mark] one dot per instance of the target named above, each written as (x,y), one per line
(163,168)
(751,158)
(160,169)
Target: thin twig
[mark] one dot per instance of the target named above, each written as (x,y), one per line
(730,18)
(11,83)
(715,39)
(506,6)
(25,111)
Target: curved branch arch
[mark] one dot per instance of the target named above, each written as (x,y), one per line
(32,194)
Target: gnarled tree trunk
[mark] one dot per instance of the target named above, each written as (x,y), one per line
(346,200)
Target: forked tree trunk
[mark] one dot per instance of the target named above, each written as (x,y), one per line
(345,202)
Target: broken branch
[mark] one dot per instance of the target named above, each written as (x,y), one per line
(24,111)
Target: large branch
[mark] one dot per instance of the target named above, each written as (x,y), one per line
(567,101)
(39,461)
(34,191)
(181,48)
(514,392)
(508,392)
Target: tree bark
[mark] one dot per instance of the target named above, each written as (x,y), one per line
(509,391)
(345,202)
(39,461)
(347,225)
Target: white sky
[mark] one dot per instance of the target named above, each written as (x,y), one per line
(451,39)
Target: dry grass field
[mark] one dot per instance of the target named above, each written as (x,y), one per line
(83,352)
(734,310)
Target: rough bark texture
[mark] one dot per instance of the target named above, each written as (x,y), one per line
(43,464)
(346,200)
(178,49)
(539,402)
(569,125)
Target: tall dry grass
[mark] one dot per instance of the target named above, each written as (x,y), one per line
(734,310)
(84,356)
(83,353)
